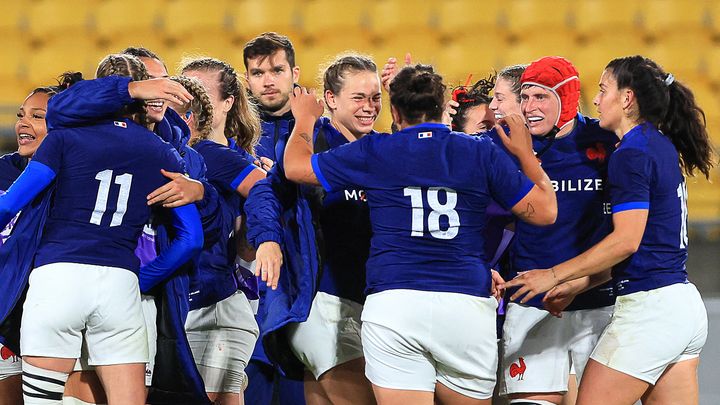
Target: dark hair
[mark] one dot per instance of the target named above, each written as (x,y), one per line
(513,73)
(267,44)
(418,94)
(476,95)
(129,66)
(200,105)
(142,52)
(65,80)
(334,74)
(243,120)
(670,106)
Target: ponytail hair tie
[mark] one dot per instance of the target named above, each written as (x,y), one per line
(669,79)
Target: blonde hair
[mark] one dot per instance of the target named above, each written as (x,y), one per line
(243,120)
(129,66)
(200,106)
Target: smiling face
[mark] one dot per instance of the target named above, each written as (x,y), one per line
(356,107)
(478,119)
(155,108)
(541,109)
(504,101)
(270,80)
(30,128)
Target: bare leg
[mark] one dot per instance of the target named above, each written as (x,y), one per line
(314,392)
(602,385)
(677,385)
(387,396)
(11,390)
(85,386)
(570,396)
(446,396)
(124,383)
(347,384)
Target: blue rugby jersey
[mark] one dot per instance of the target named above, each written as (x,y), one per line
(427,189)
(645,174)
(226,169)
(11,165)
(103,173)
(577,167)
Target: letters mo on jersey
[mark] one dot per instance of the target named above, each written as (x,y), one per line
(577,185)
(356,195)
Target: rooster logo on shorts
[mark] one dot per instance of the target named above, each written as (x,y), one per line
(6,354)
(518,370)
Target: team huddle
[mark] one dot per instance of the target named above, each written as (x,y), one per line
(206,238)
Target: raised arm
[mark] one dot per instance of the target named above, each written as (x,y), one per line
(306,109)
(33,180)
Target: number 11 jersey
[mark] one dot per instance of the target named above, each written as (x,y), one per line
(427,189)
(103,174)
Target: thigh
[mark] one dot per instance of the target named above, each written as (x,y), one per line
(677,385)
(123,383)
(388,396)
(601,385)
(447,396)
(11,390)
(585,327)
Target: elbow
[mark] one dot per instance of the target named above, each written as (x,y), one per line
(627,248)
(196,243)
(548,214)
(293,171)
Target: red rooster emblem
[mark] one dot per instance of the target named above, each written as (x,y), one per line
(596,153)
(6,353)
(518,370)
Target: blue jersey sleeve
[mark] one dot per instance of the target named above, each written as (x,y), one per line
(630,177)
(347,165)
(187,243)
(88,100)
(508,185)
(226,168)
(31,182)
(50,151)
(264,206)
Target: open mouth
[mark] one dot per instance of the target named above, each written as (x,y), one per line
(498,116)
(366,120)
(155,105)
(535,119)
(25,138)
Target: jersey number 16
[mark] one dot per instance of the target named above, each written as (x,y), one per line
(438,210)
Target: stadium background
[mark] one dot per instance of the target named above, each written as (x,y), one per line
(40,39)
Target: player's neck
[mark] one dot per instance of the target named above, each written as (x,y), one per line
(345,131)
(218,136)
(626,125)
(280,112)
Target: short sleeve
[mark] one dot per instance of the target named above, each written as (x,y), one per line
(507,184)
(50,151)
(630,176)
(226,168)
(346,165)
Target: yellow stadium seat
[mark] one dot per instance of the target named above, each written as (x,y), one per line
(47,62)
(182,18)
(664,16)
(48,19)
(14,48)
(125,17)
(312,57)
(526,18)
(598,17)
(703,197)
(252,17)
(347,16)
(423,48)
(206,45)
(408,16)
(711,66)
(13,15)
(594,55)
(528,48)
(466,56)
(683,53)
(12,95)
(136,38)
(456,18)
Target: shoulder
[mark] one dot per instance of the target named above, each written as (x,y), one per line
(590,129)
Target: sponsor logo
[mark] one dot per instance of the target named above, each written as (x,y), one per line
(577,185)
(518,369)
(596,152)
(355,195)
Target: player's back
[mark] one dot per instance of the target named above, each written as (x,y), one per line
(103,174)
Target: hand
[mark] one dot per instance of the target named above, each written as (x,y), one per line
(497,281)
(449,112)
(531,283)
(304,104)
(160,89)
(390,70)
(181,190)
(519,142)
(268,260)
(264,163)
(558,298)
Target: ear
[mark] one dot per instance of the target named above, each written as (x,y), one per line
(330,100)
(227,104)
(627,98)
(296,74)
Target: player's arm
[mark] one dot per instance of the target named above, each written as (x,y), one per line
(187,243)
(90,100)
(33,180)
(306,109)
(539,206)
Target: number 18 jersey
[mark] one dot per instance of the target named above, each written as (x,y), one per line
(427,189)
(103,174)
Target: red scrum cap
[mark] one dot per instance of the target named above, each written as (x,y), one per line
(557,75)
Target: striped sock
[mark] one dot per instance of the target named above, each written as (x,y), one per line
(41,386)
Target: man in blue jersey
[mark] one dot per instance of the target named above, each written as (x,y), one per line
(539,349)
(271,74)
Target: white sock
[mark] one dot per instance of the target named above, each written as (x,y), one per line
(530,402)
(41,386)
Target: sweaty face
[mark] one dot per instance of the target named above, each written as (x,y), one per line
(155,108)
(356,107)
(478,119)
(609,102)
(30,128)
(541,109)
(504,101)
(211,82)
(270,79)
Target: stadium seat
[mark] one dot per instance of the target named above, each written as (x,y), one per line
(14,47)
(312,56)
(659,17)
(598,17)
(182,18)
(468,55)
(593,55)
(680,52)
(397,44)
(458,18)
(62,54)
(149,39)
(125,17)
(348,17)
(524,18)
(13,16)
(408,16)
(559,42)
(252,17)
(48,19)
